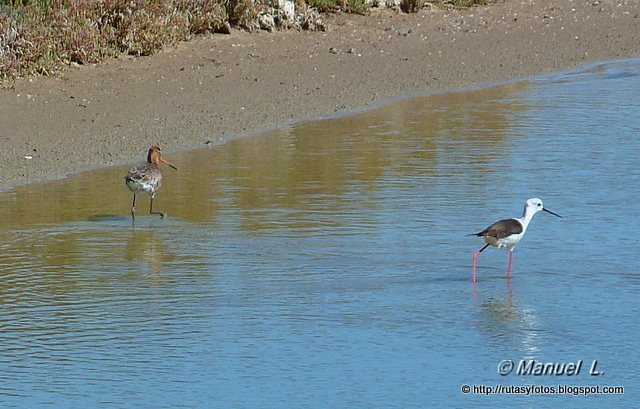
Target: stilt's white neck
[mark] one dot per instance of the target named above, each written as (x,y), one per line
(527,216)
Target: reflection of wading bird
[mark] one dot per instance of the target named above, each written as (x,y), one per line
(508,232)
(147,178)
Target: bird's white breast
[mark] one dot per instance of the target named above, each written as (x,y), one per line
(505,242)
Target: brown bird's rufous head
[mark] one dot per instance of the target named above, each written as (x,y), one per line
(155,157)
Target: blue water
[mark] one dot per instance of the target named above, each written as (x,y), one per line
(328,264)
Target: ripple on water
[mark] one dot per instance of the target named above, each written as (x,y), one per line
(327,264)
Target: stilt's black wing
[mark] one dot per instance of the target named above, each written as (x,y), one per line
(502,228)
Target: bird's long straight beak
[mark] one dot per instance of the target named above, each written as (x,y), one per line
(166,162)
(549,211)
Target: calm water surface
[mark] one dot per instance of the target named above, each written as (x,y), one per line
(327,264)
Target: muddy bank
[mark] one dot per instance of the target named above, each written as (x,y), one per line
(217,87)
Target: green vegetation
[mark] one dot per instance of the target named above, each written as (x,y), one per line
(465,3)
(347,6)
(44,36)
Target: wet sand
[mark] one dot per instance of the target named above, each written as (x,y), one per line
(215,88)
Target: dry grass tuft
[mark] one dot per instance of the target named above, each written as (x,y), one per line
(40,37)
(44,36)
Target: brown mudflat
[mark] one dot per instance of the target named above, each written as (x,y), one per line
(221,86)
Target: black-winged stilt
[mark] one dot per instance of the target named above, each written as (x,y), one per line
(506,233)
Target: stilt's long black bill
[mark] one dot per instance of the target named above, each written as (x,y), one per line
(549,211)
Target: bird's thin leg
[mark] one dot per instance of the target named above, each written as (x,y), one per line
(133,207)
(162,214)
(509,265)
(475,260)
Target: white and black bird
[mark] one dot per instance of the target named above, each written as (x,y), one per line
(506,233)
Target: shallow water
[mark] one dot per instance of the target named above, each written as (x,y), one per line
(327,264)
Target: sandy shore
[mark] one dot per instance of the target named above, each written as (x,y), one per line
(219,87)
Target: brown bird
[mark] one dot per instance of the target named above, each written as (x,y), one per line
(147,178)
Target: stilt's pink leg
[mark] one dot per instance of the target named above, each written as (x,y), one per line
(509,265)
(475,262)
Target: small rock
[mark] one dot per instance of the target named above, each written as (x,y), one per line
(225,28)
(333,50)
(289,9)
(266,22)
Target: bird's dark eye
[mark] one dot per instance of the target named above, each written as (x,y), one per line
(539,204)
